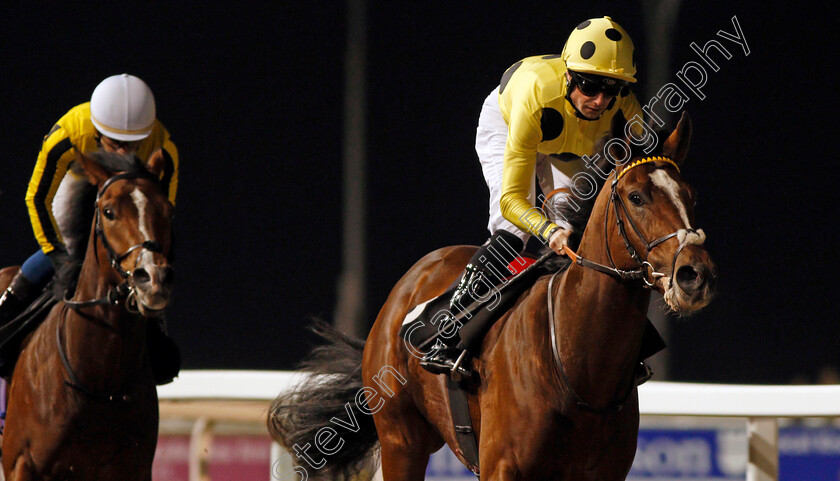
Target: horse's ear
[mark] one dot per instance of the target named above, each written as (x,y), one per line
(95,173)
(156,163)
(676,145)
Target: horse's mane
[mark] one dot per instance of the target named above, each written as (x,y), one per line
(113,162)
(78,207)
(578,218)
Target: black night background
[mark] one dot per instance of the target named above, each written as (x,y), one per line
(252,94)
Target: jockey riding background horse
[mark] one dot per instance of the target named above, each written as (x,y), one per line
(555,397)
(83,403)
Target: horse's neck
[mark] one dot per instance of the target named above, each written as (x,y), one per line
(106,335)
(600,324)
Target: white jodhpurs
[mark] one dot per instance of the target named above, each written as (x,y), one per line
(73,207)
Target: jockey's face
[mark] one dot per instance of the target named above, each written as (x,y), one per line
(590,106)
(118,146)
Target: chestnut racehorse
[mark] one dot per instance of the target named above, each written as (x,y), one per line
(83,402)
(556,397)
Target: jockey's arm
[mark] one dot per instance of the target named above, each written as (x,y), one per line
(53,160)
(520,158)
(170,170)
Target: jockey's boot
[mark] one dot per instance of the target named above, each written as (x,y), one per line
(485,270)
(643,373)
(164,354)
(448,359)
(16,297)
(652,343)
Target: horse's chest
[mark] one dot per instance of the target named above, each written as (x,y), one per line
(111,430)
(577,447)
(121,442)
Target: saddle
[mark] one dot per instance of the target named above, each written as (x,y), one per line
(14,332)
(432,319)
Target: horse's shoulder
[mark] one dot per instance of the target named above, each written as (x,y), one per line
(439,263)
(531,304)
(454,255)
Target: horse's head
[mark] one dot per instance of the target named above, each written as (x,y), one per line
(649,210)
(132,226)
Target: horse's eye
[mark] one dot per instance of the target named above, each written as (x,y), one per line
(109,214)
(635,198)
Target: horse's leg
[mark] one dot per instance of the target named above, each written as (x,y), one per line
(496,460)
(501,470)
(21,471)
(401,463)
(406,441)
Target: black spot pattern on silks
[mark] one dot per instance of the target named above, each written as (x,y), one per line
(587,50)
(549,57)
(551,124)
(583,24)
(613,34)
(507,75)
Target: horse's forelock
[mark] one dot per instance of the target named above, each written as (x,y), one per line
(114,162)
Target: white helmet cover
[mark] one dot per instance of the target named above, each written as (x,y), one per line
(122,107)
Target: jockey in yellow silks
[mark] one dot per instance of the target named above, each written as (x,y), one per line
(546,113)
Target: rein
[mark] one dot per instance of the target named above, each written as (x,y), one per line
(635,274)
(74,381)
(124,292)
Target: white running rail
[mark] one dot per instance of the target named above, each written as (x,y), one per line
(206,397)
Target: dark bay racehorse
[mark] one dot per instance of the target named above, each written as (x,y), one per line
(556,399)
(83,402)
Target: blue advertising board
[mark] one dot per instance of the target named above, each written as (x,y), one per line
(709,454)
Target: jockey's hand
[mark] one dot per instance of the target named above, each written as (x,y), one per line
(558,239)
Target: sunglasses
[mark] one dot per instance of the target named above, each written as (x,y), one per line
(592,86)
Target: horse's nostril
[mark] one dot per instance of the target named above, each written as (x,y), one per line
(140,276)
(688,278)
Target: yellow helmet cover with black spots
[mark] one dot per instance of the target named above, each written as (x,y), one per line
(600,46)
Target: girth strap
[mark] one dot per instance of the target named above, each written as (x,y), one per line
(459,408)
(579,401)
